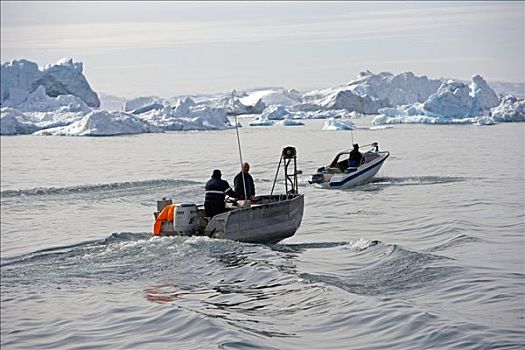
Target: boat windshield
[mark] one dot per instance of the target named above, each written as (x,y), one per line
(337,157)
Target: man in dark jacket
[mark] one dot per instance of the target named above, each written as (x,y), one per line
(216,191)
(356,157)
(248,179)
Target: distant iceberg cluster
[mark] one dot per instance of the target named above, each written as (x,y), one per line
(457,103)
(58,100)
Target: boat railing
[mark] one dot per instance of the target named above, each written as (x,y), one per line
(289,158)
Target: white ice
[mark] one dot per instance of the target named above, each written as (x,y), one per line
(338,124)
(57,100)
(457,103)
(103,123)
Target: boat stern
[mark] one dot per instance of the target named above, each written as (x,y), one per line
(318,177)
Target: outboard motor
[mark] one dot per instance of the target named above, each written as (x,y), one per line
(317,178)
(186,219)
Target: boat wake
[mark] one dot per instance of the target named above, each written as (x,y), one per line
(458,240)
(394,270)
(415,180)
(129,257)
(358,245)
(242,284)
(379,183)
(110,187)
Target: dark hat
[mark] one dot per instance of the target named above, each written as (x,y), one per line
(356,145)
(216,174)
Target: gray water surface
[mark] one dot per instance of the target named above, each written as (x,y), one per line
(429,255)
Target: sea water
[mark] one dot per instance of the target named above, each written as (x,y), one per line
(81,270)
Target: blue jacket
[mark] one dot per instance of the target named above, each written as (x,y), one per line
(216,191)
(355,158)
(239,186)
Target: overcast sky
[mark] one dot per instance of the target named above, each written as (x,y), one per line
(173,48)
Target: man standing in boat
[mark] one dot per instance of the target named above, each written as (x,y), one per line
(240,184)
(216,191)
(355,158)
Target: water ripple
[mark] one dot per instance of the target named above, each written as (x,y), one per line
(394,270)
(82,189)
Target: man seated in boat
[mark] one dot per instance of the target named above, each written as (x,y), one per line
(356,158)
(248,182)
(216,191)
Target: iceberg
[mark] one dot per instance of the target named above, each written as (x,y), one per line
(13,122)
(452,100)
(484,98)
(510,109)
(272,97)
(344,98)
(17,76)
(102,123)
(57,100)
(338,124)
(261,123)
(274,112)
(62,78)
(456,103)
(458,100)
(46,112)
(421,119)
(140,102)
(110,102)
(40,101)
(277,112)
(371,92)
(290,122)
(234,106)
(305,107)
(322,114)
(152,107)
(186,115)
(401,89)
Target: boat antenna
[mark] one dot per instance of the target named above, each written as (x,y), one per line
(239,144)
(352,134)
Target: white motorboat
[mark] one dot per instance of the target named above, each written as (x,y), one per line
(267,219)
(339,175)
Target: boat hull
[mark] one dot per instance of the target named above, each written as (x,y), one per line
(266,223)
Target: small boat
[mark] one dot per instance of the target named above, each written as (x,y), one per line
(339,175)
(267,219)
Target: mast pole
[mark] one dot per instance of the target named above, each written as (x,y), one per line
(239,145)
